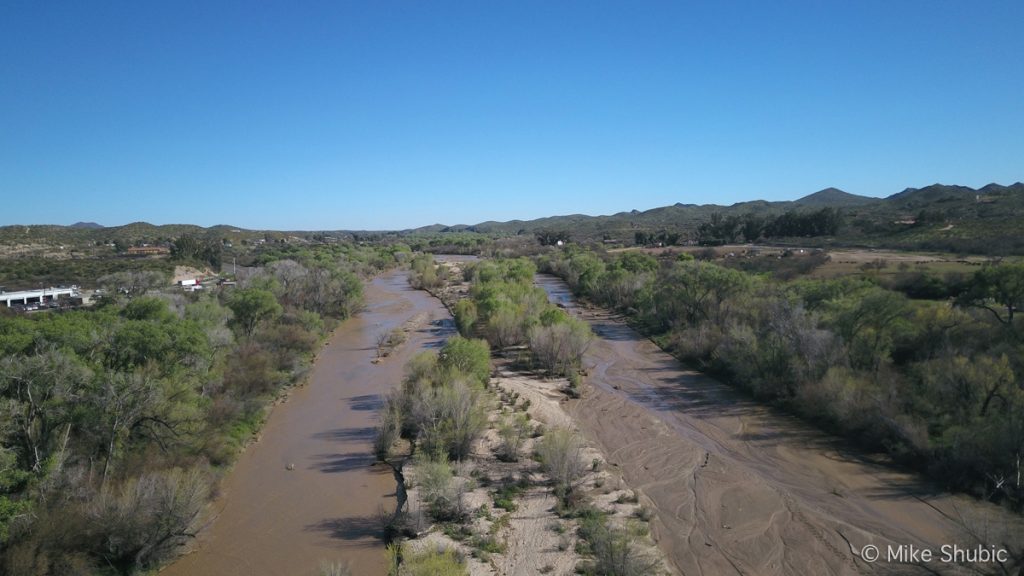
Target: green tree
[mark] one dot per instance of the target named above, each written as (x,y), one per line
(465,316)
(698,292)
(586,272)
(470,357)
(451,417)
(145,520)
(520,270)
(207,250)
(869,323)
(148,308)
(1001,285)
(636,262)
(559,347)
(43,391)
(121,401)
(137,342)
(253,306)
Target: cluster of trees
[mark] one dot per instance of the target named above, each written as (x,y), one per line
(935,383)
(752,227)
(787,267)
(441,409)
(552,237)
(424,274)
(117,420)
(662,238)
(25,273)
(334,291)
(199,250)
(448,242)
(364,261)
(441,402)
(823,222)
(133,283)
(507,309)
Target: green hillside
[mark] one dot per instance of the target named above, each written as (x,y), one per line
(989,220)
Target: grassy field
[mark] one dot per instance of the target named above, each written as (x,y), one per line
(888,263)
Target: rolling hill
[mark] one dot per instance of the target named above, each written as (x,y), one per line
(988,220)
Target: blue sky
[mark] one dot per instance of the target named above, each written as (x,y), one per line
(377,114)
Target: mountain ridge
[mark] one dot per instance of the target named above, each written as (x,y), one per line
(939,215)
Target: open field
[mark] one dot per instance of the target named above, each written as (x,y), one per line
(844,262)
(841,261)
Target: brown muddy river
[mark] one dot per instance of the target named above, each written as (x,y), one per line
(274,521)
(740,488)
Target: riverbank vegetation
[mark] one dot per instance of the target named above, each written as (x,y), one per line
(935,383)
(475,461)
(118,420)
(433,419)
(505,307)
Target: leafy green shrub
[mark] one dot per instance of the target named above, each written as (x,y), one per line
(450,418)
(439,490)
(513,431)
(559,348)
(561,454)
(465,316)
(507,493)
(468,357)
(615,550)
(440,561)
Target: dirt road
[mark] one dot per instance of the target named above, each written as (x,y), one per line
(276,521)
(743,489)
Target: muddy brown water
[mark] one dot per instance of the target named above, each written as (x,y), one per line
(278,522)
(739,488)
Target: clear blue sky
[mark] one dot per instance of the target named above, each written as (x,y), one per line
(378,114)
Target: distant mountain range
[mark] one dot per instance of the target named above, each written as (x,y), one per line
(988,220)
(939,217)
(685,214)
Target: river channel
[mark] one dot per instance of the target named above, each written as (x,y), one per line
(308,491)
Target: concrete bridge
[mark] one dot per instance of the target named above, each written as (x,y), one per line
(40,296)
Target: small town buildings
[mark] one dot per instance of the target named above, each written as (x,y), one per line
(40,297)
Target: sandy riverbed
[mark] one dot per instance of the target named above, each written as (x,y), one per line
(742,489)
